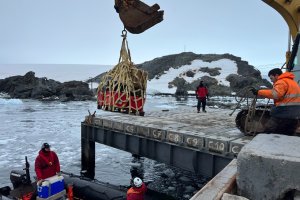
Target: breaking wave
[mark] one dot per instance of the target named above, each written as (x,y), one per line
(10,101)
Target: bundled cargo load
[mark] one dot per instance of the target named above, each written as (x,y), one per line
(123,89)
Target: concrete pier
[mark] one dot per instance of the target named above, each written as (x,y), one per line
(268,167)
(203,143)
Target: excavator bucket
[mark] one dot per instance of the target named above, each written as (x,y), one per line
(138,16)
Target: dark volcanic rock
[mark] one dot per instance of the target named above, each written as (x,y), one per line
(31,87)
(246,75)
(74,90)
(28,86)
(238,81)
(211,71)
(190,73)
(157,66)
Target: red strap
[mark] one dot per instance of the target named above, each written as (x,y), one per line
(27,196)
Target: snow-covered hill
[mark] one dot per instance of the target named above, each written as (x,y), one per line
(181,73)
(161,84)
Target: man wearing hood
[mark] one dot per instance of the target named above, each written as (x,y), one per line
(286,95)
(46,163)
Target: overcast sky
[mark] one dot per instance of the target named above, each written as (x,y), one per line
(88,31)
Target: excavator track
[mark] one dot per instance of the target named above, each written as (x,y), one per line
(257,123)
(254,125)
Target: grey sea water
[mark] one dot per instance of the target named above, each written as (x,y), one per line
(26,124)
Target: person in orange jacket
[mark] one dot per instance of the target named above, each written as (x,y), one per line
(46,163)
(137,191)
(286,95)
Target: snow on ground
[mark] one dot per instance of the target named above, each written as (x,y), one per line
(161,85)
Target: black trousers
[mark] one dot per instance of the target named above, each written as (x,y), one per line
(201,101)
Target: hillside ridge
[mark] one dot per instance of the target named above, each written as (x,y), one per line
(192,68)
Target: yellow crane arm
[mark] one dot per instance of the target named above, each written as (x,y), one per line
(289,10)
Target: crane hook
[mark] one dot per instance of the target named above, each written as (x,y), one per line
(124,33)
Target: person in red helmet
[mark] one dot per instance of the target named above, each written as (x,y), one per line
(46,163)
(138,190)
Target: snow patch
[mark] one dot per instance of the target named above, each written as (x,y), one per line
(161,85)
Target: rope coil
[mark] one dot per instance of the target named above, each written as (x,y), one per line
(251,124)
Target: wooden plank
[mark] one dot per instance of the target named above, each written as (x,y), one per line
(223,182)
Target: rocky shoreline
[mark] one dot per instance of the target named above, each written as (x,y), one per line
(31,87)
(43,89)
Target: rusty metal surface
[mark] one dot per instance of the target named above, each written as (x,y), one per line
(138,16)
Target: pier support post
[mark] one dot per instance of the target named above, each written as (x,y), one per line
(87,152)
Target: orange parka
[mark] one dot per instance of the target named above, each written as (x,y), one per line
(135,193)
(285,92)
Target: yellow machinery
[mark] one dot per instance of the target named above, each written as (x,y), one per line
(290,11)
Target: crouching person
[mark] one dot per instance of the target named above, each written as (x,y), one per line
(138,190)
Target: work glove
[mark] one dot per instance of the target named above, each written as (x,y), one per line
(254,91)
(39,183)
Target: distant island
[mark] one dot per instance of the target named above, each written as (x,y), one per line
(31,87)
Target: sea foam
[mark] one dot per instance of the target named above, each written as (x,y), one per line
(10,101)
